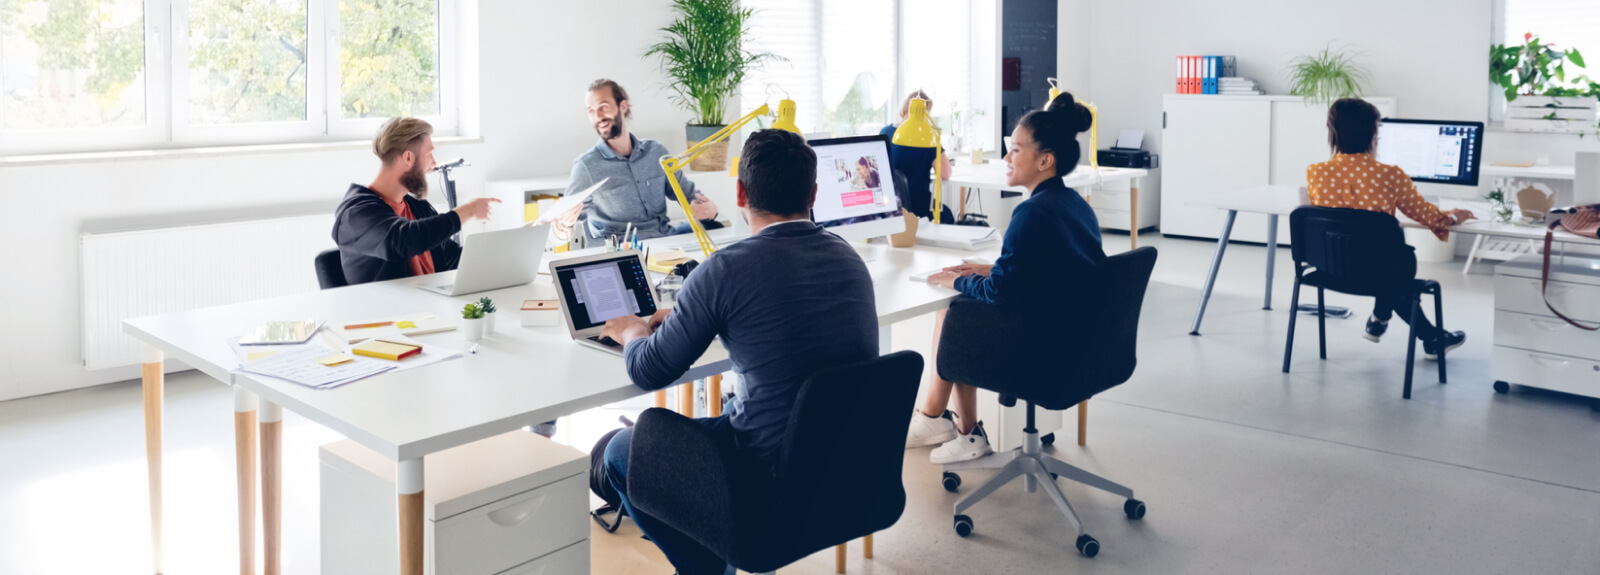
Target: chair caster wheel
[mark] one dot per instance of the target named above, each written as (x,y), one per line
(963,525)
(1088,546)
(951,481)
(1502,387)
(1134,508)
(1048,439)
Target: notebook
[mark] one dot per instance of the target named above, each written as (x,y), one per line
(390,350)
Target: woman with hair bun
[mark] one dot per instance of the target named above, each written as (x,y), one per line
(1053,239)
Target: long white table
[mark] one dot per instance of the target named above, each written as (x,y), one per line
(992,176)
(520,376)
(1275,201)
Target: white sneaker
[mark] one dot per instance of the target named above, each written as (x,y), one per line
(927,431)
(962,448)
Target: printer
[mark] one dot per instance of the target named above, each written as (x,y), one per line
(1128,152)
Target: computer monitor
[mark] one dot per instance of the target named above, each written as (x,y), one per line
(856,195)
(1436,151)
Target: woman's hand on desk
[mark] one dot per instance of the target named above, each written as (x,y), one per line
(1462,216)
(945,279)
(970,269)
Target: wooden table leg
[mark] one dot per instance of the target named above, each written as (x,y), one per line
(1133,213)
(151,372)
(244,451)
(866,546)
(1083,423)
(409,487)
(838,557)
(272,486)
(686,399)
(661,398)
(714,396)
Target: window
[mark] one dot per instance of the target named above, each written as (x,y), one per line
(82,75)
(850,64)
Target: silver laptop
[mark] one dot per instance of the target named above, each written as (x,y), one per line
(494,260)
(596,288)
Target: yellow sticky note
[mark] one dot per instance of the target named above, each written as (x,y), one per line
(337,359)
(256,356)
(406,325)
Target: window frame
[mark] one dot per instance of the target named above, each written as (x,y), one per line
(167,93)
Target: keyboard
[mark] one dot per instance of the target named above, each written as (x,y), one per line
(605,341)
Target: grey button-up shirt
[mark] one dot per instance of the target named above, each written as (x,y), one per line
(637,192)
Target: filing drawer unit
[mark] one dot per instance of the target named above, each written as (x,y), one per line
(512,504)
(1535,348)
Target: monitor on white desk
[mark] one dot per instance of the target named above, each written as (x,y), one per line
(1436,151)
(856,194)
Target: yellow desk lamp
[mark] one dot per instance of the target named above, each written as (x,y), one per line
(918,131)
(671,165)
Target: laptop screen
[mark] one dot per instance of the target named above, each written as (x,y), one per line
(597,291)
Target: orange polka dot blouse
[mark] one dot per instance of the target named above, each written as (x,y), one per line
(1359,181)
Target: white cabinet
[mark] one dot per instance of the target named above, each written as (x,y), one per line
(1532,346)
(1213,144)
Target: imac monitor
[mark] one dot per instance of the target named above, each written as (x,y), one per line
(1434,151)
(856,195)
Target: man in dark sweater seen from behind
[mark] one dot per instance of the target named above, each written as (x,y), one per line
(388,230)
(789,301)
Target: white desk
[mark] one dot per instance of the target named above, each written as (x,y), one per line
(992,176)
(520,376)
(1275,201)
(1567,173)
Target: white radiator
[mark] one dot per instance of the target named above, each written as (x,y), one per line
(152,272)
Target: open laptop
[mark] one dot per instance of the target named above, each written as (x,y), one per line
(596,288)
(494,260)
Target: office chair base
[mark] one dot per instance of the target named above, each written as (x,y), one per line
(1038,471)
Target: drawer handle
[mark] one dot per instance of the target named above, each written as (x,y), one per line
(516,513)
(1548,362)
(1547,324)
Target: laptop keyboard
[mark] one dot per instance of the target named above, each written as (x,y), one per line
(447,287)
(605,341)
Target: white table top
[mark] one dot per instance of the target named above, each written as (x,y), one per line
(1540,172)
(520,376)
(1281,200)
(993,175)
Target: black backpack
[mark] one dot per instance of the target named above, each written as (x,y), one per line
(601,487)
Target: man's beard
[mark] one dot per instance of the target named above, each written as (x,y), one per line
(416,182)
(614,132)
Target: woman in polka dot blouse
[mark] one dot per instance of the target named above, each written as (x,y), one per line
(1353,178)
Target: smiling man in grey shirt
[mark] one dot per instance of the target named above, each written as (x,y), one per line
(637,191)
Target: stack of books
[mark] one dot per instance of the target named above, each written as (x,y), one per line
(1237,87)
(957,237)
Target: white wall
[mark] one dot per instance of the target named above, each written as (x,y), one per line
(536,60)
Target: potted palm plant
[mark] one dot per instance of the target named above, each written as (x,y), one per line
(703,56)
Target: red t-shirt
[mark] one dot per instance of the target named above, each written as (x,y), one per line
(420,265)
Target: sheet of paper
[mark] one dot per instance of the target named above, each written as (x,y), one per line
(567,203)
(302,366)
(604,295)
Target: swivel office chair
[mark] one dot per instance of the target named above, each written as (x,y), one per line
(824,495)
(1350,251)
(987,346)
(330,273)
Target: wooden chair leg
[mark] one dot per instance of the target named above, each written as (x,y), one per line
(661,398)
(714,396)
(686,399)
(866,546)
(1083,423)
(838,558)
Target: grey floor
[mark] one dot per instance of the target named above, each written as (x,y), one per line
(1245,469)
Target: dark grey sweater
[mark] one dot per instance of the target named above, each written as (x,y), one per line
(787,302)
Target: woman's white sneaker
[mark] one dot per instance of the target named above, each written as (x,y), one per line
(963,448)
(927,431)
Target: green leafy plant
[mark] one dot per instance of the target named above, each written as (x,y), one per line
(1327,75)
(1537,69)
(703,55)
(472,311)
(486,304)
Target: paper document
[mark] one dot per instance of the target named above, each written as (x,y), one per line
(567,203)
(304,366)
(602,293)
(956,237)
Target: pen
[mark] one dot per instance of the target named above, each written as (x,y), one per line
(474,350)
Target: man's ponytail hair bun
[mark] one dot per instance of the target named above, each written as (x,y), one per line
(1056,130)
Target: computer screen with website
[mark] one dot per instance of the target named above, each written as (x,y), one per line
(854,181)
(601,290)
(1432,151)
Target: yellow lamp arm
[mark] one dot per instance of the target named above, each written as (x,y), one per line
(671,165)
(938,175)
(1094,137)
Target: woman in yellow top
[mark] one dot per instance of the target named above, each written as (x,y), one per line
(1355,179)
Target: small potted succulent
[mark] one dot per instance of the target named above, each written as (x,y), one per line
(487,305)
(472,321)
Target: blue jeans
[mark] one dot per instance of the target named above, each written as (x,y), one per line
(688,556)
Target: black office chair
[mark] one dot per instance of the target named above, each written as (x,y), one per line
(330,273)
(1349,251)
(822,494)
(1054,366)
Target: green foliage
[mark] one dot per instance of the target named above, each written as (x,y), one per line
(472,311)
(389,57)
(703,55)
(486,304)
(76,41)
(855,116)
(1327,76)
(1537,69)
(247,61)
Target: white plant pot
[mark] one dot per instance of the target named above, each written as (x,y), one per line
(488,323)
(472,328)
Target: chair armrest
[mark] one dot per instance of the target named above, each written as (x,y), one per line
(680,474)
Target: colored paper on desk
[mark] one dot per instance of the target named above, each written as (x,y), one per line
(666,260)
(256,356)
(337,359)
(381,349)
(406,325)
